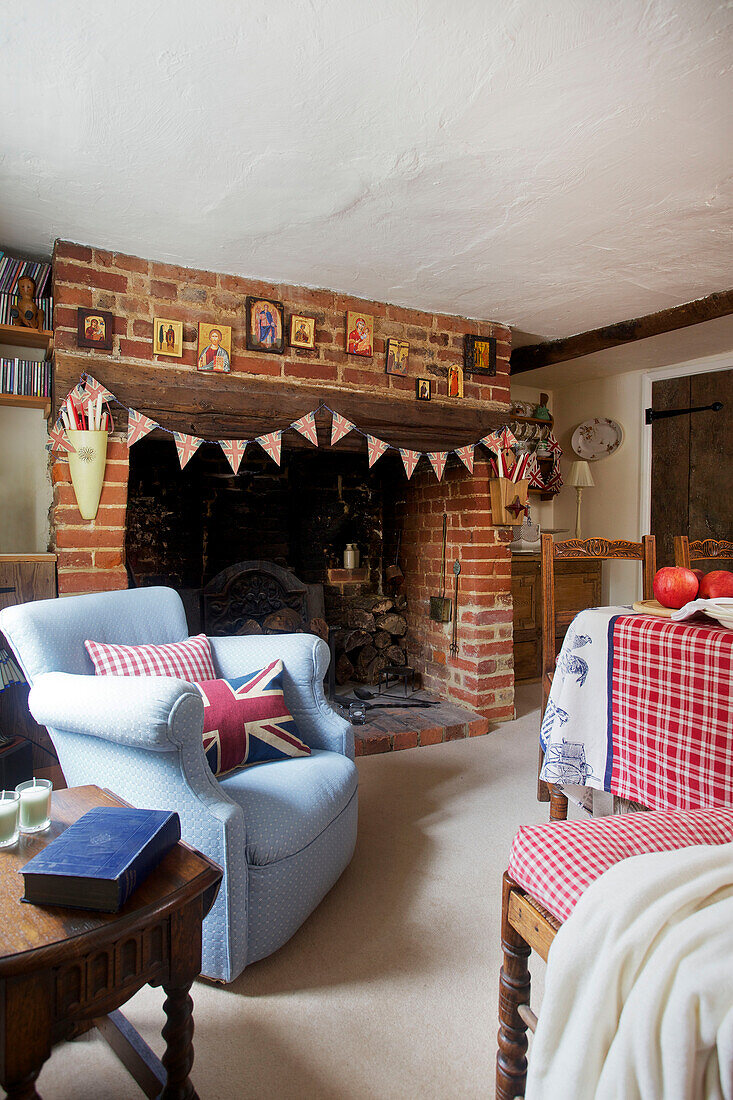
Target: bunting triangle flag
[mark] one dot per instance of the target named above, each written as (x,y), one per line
(466,456)
(340,427)
(272,443)
(376,449)
(95,389)
(492,441)
(234,450)
(554,446)
(307,427)
(78,396)
(437,461)
(138,425)
(507,438)
(60,440)
(186,445)
(410,460)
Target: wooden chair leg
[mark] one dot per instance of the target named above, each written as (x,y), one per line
(514,988)
(558,805)
(543,791)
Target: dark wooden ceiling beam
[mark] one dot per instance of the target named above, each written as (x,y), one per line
(238,406)
(533,356)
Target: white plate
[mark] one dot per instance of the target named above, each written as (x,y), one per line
(597,438)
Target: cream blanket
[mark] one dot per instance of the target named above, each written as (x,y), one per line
(638,1001)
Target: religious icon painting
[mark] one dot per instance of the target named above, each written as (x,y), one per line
(215,348)
(455,381)
(480,355)
(302,331)
(94,329)
(422,389)
(265,325)
(397,352)
(359,333)
(167,337)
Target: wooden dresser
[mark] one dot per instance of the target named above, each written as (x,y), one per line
(577,585)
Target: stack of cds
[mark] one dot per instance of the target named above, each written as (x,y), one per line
(7,301)
(27,377)
(9,671)
(11,270)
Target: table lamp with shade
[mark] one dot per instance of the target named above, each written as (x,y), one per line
(580,478)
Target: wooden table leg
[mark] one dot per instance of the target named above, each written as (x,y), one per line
(23,1090)
(178,1035)
(514,988)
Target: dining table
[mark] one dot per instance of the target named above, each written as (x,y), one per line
(641,707)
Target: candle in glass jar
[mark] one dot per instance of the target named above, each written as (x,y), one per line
(35,805)
(8,818)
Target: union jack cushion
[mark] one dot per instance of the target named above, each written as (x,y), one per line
(190,660)
(246,721)
(557,861)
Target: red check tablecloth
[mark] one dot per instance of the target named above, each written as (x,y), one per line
(642,707)
(672,712)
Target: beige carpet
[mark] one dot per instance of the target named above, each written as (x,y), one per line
(390,988)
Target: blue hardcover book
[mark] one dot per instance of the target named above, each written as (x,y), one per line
(99,860)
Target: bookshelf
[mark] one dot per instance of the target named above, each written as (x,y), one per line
(18,336)
(24,401)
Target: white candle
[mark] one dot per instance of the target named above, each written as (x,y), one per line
(8,818)
(35,804)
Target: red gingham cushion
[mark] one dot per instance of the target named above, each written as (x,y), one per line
(190,660)
(557,862)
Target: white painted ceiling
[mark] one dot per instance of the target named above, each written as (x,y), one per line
(554,164)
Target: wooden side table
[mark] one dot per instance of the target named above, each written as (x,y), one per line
(63,971)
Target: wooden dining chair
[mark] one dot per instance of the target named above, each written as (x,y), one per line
(578,549)
(685,552)
(550,867)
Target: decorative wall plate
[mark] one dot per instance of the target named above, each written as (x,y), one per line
(597,438)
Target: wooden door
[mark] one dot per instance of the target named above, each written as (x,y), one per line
(692,462)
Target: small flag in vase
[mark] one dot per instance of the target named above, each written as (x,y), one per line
(466,456)
(410,460)
(95,389)
(138,426)
(186,445)
(340,427)
(272,444)
(307,427)
(234,450)
(60,440)
(376,449)
(438,460)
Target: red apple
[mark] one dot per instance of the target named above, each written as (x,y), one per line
(674,586)
(716,584)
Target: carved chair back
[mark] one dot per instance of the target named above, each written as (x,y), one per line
(580,549)
(686,551)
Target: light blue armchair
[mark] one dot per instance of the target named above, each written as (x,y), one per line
(282,832)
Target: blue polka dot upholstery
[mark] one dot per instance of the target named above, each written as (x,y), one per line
(282,832)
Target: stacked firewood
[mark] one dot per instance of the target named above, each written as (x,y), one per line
(372,639)
(285,621)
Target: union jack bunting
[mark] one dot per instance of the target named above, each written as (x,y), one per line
(138,425)
(375,448)
(438,460)
(507,438)
(234,450)
(466,456)
(340,427)
(492,441)
(410,460)
(553,444)
(307,427)
(59,439)
(95,389)
(533,472)
(272,444)
(186,445)
(246,720)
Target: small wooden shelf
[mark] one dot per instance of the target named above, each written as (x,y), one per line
(532,420)
(22,337)
(26,401)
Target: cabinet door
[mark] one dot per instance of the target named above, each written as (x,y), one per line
(526,619)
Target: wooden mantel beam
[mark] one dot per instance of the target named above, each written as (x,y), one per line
(239,406)
(533,356)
